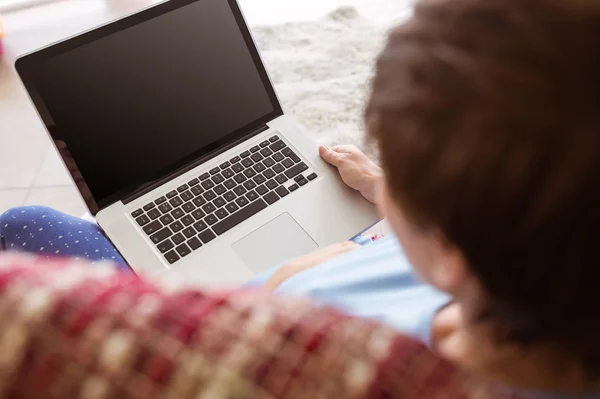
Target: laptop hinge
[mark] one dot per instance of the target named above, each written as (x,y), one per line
(146,188)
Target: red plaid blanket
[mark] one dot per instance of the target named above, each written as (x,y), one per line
(68,330)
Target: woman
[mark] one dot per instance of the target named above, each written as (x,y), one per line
(486,117)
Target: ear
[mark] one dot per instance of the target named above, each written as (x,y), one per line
(449,270)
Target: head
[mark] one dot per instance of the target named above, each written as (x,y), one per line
(487,117)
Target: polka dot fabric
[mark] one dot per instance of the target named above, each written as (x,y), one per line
(45,231)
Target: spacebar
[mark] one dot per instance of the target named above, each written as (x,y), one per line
(239,217)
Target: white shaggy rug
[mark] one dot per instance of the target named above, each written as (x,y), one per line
(321,71)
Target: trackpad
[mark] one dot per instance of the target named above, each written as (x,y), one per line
(277,241)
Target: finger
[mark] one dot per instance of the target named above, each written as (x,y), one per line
(345,149)
(330,156)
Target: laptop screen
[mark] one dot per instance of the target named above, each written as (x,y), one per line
(132,104)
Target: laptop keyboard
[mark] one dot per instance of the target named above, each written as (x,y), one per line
(216,201)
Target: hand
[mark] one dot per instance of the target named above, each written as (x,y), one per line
(307,262)
(356,169)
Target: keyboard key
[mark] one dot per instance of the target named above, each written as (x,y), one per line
(242,201)
(254,149)
(224,165)
(245,154)
(209,208)
(188,207)
(229,184)
(211,219)
(269,173)
(207,236)
(143,220)
(178,238)
(137,213)
(276,146)
(232,207)
(274,139)
(294,157)
(297,169)
(288,163)
(210,195)
(312,176)
(204,176)
(282,191)
(189,232)
(176,226)
(218,178)
(175,202)
(183,250)
(161,235)
(272,184)
(240,216)
(259,179)
(281,179)
(165,246)
(193,182)
(187,220)
(219,202)
(287,151)
(154,214)
(262,189)
(214,171)
(171,257)
(227,173)
(208,184)
(198,214)
(234,160)
(298,178)
(220,189)
(264,143)
(271,198)
(247,162)
(265,152)
(197,190)
(239,190)
(229,196)
(240,178)
(182,188)
(303,182)
(200,226)
(152,227)
(160,200)
(257,157)
(238,167)
(164,208)
(249,173)
(251,195)
(177,213)
(249,185)
(166,219)
(199,201)
(149,206)
(186,196)
(259,167)
(278,168)
(194,243)
(294,187)
(221,213)
(269,162)
(172,194)
(278,157)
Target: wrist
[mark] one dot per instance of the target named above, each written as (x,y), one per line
(372,182)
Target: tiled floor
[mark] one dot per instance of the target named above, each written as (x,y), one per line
(31,172)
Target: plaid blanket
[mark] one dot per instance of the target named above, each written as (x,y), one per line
(69,330)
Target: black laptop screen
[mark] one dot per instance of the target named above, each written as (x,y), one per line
(137,103)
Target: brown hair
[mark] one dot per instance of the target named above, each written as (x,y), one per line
(487,116)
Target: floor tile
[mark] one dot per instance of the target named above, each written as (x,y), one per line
(65,199)
(12,198)
(52,171)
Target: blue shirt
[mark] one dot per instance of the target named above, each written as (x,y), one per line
(374,281)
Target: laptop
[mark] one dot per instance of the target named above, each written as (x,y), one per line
(174,135)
